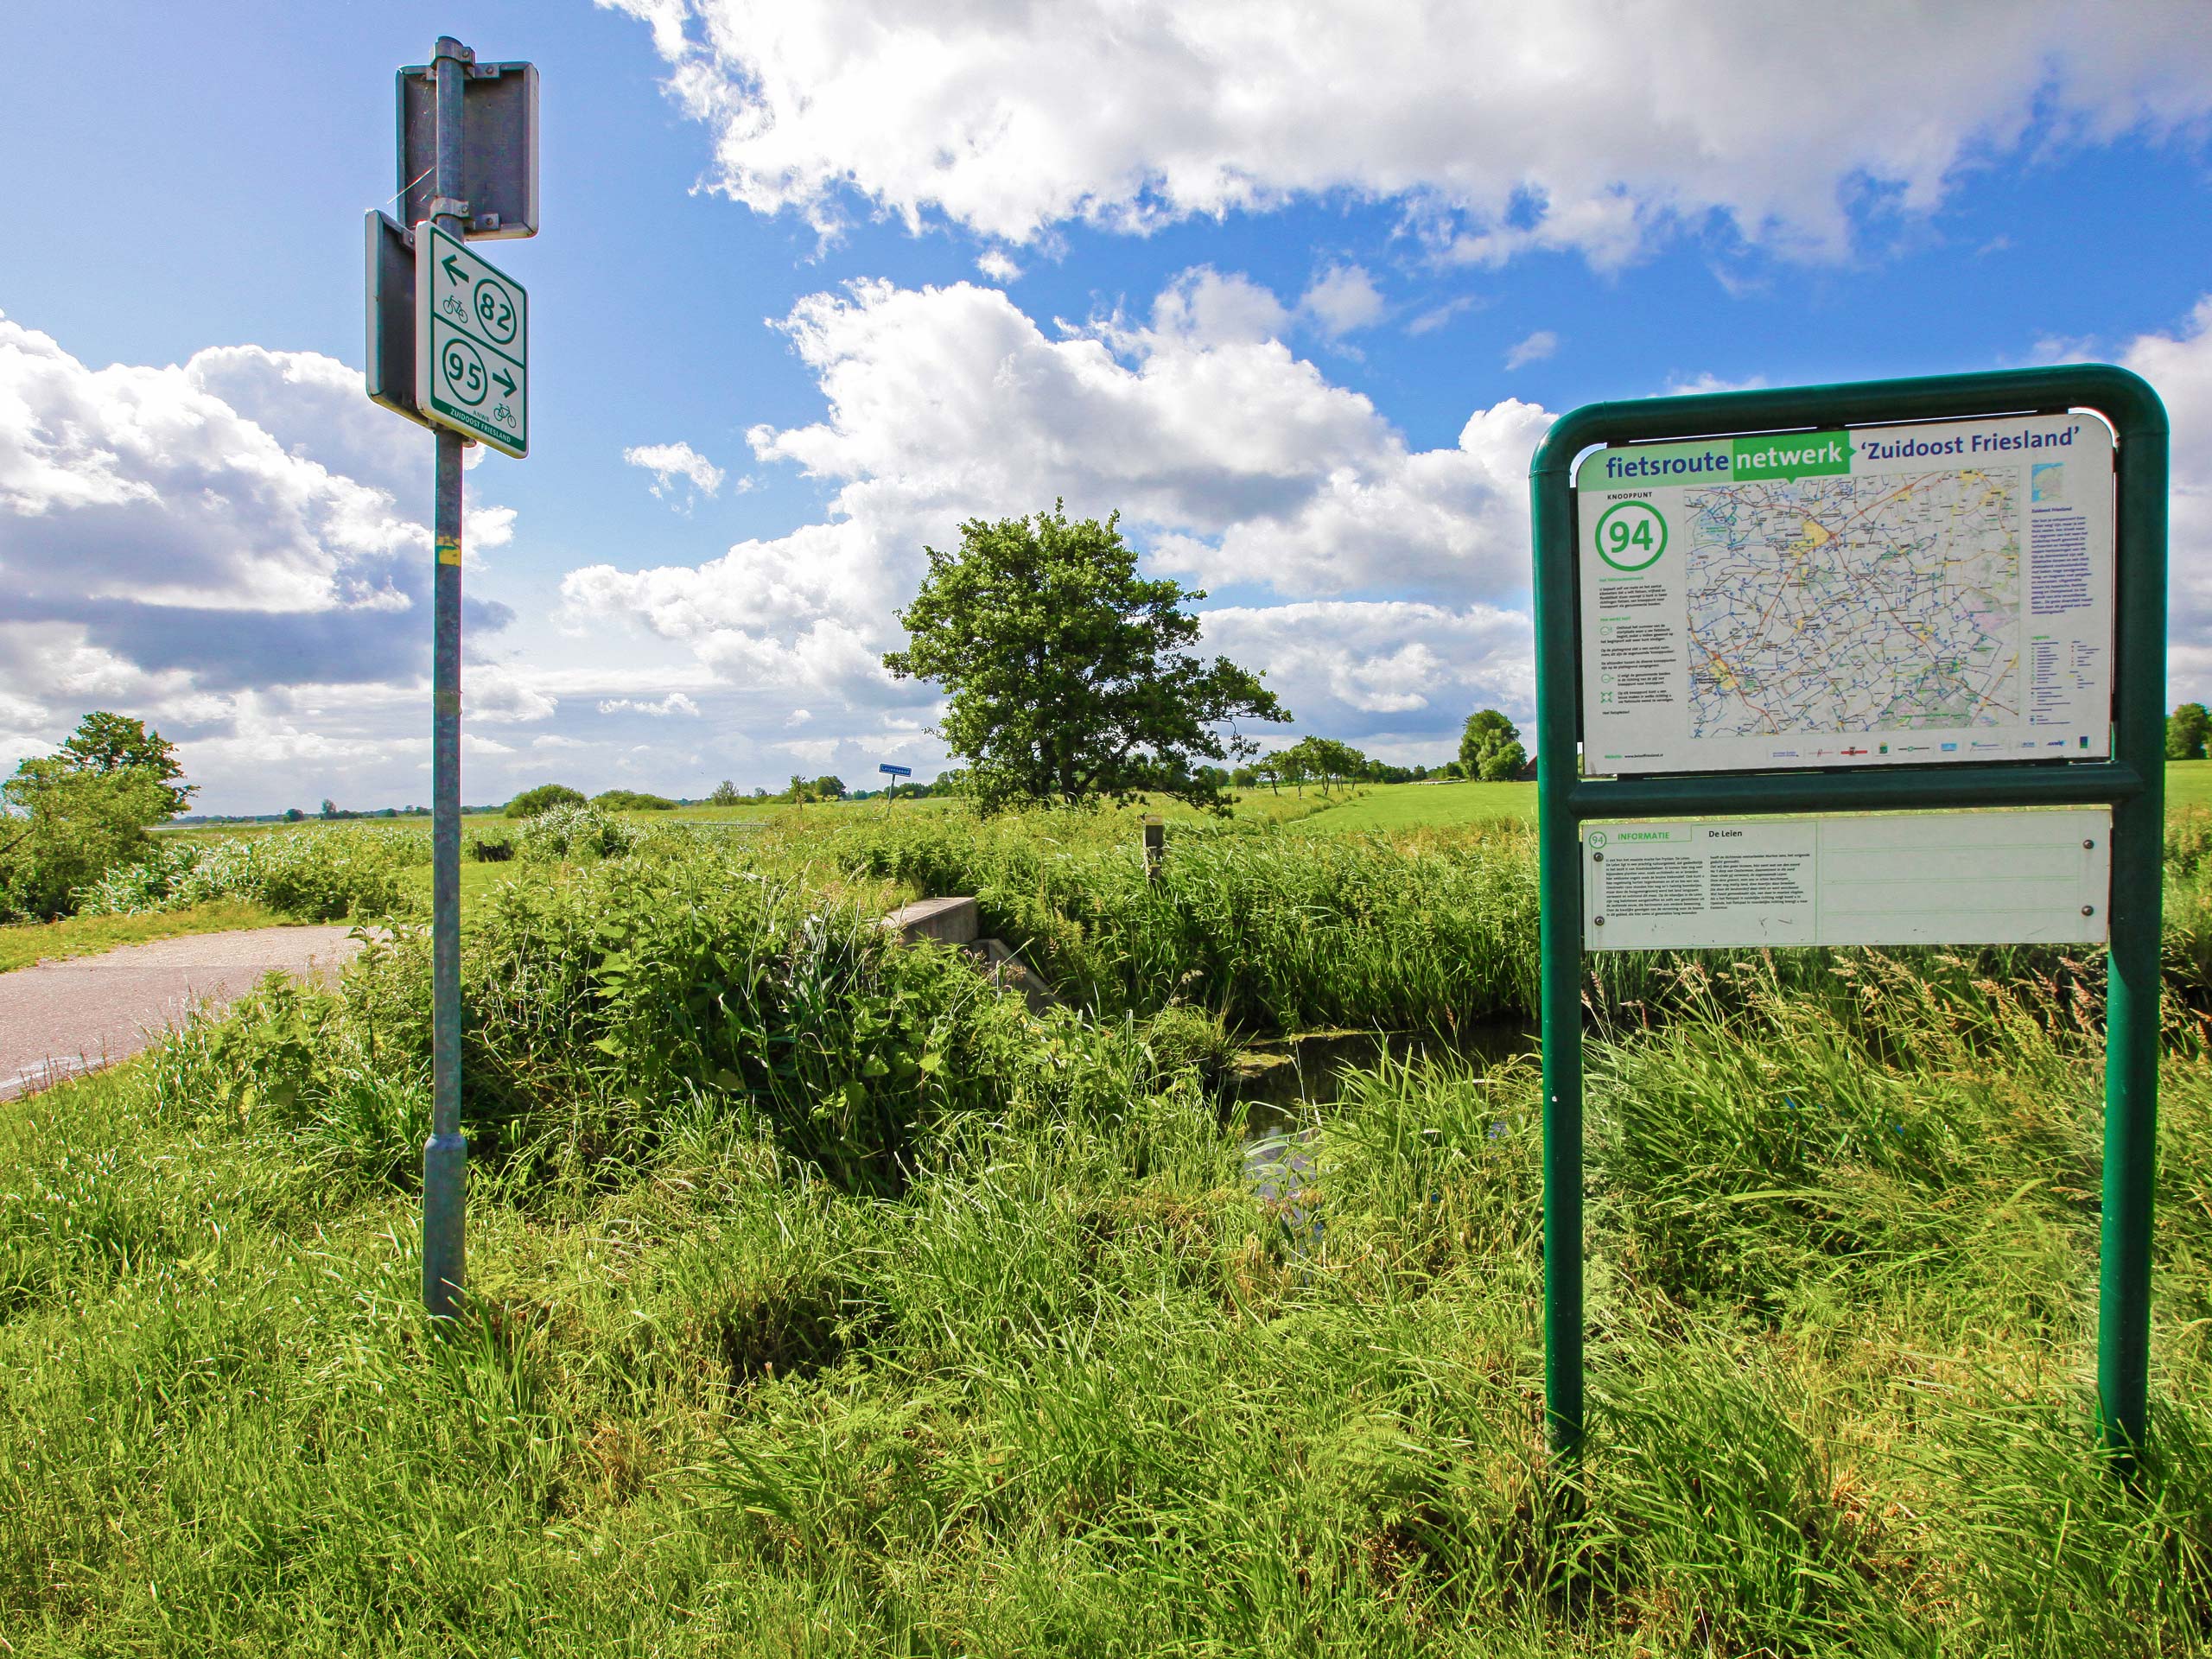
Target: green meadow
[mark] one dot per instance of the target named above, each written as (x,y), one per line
(826,1301)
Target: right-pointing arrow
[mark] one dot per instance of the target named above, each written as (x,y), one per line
(505,382)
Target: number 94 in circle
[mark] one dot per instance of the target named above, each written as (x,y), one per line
(1632,535)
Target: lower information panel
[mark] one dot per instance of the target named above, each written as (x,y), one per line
(2024,876)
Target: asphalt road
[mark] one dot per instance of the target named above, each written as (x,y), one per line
(60,1018)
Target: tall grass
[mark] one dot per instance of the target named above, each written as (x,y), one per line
(1005,1356)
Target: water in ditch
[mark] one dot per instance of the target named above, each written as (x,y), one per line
(1282,1089)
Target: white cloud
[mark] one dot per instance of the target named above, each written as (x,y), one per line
(1534,349)
(1348,666)
(1232,460)
(998,265)
(674,703)
(1500,128)
(1342,299)
(668,462)
(2179,366)
(1706,382)
(214,547)
(1436,316)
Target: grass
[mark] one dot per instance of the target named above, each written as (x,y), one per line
(83,935)
(1409,806)
(1072,1389)
(826,1303)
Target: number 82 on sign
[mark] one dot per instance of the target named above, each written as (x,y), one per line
(472,335)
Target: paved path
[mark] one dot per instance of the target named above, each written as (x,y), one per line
(59,1018)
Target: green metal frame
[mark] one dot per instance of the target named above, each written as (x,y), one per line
(2132,783)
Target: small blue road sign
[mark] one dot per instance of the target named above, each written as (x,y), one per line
(896,771)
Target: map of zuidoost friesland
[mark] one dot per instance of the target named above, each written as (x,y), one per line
(1885,596)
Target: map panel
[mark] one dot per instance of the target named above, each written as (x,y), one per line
(1884,603)
(1892,595)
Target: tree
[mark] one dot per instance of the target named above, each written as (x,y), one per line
(293,815)
(724,794)
(2187,727)
(107,743)
(66,825)
(1490,746)
(329,808)
(1068,676)
(1323,757)
(828,787)
(532,801)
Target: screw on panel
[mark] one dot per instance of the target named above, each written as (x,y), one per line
(2088,910)
(2088,845)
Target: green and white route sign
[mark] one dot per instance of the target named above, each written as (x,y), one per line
(472,343)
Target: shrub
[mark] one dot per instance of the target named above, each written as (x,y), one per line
(75,826)
(576,833)
(633,800)
(543,798)
(311,876)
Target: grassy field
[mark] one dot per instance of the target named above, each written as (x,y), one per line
(826,1303)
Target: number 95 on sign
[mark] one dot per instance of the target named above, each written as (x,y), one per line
(474,344)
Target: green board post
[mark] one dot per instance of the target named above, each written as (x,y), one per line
(2132,783)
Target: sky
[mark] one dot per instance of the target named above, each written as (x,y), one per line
(1294,288)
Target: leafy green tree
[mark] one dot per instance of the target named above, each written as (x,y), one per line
(108,743)
(1068,676)
(1325,759)
(1490,746)
(530,802)
(828,787)
(2187,727)
(66,825)
(724,794)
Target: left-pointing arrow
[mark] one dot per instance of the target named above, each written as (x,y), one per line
(454,272)
(505,382)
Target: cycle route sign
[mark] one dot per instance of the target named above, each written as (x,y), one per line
(472,343)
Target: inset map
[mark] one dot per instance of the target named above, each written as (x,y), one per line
(1883,603)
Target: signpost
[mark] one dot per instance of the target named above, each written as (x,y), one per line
(471,344)
(1937,594)
(448,338)
(891,789)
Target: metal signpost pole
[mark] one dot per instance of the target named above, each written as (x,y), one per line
(2130,783)
(445,1156)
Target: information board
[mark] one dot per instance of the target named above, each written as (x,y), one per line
(1944,878)
(1892,595)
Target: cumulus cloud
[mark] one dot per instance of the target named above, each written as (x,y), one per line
(674,703)
(1534,349)
(669,463)
(195,542)
(995,263)
(1342,299)
(1232,460)
(1499,128)
(2179,366)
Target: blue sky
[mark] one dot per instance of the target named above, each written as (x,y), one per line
(1295,287)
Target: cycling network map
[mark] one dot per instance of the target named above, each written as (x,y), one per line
(1874,596)
(1873,602)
